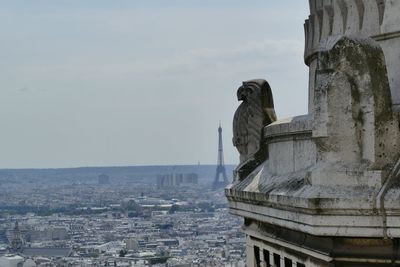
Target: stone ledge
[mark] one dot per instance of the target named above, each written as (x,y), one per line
(290,201)
(294,190)
(322,225)
(289,126)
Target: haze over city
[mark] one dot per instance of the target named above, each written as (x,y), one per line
(103,83)
(200,133)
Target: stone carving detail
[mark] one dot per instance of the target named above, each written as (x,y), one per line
(354,126)
(332,175)
(253,114)
(339,17)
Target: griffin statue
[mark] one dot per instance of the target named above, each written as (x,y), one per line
(254,113)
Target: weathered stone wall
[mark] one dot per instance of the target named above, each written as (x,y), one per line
(378,19)
(328,190)
(290,146)
(354,128)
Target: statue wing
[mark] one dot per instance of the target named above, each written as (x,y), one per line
(240,131)
(267,102)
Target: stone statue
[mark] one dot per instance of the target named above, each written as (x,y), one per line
(253,114)
(328,191)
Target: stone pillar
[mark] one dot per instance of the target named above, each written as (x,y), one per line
(249,252)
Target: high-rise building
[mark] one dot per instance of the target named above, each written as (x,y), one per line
(176,180)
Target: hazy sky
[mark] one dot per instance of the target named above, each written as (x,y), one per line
(101,83)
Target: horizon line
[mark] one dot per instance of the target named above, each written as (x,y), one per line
(112,166)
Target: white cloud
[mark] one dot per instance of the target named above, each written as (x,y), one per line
(271,47)
(192,62)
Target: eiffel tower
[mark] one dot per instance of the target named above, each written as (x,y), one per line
(220,164)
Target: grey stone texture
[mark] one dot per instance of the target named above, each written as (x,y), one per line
(254,113)
(335,172)
(324,172)
(378,19)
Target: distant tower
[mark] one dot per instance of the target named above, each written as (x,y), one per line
(220,164)
(16,241)
(103,179)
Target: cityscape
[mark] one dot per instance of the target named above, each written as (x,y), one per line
(111,150)
(77,218)
(108,117)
